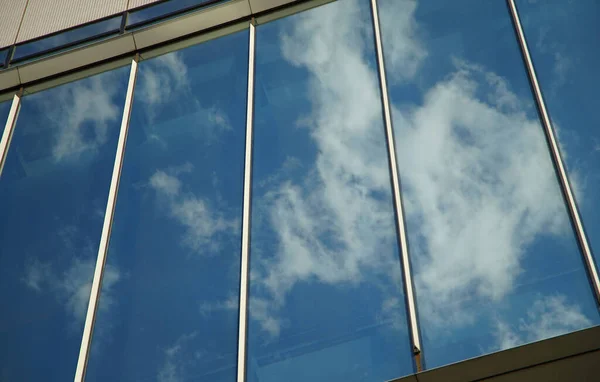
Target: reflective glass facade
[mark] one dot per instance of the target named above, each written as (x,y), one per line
(563,44)
(53,193)
(496,263)
(4,109)
(326,300)
(355,192)
(171,290)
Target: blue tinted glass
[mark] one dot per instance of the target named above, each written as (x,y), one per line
(73,36)
(3,53)
(495,260)
(326,299)
(563,42)
(53,194)
(162,9)
(172,314)
(4,109)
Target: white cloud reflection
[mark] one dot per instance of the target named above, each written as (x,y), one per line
(478,187)
(335,226)
(478,184)
(84,112)
(176,362)
(71,286)
(549,316)
(161,78)
(201,221)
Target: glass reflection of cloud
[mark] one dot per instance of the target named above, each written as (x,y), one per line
(487,224)
(176,230)
(54,188)
(325,278)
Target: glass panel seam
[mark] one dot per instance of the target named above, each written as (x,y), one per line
(245,256)
(106,229)
(400,226)
(9,128)
(555,152)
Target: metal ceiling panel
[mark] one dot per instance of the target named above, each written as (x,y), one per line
(10,18)
(190,23)
(139,3)
(9,78)
(43,17)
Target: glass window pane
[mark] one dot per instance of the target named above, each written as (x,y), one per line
(326,299)
(4,109)
(71,37)
(563,42)
(3,53)
(163,9)
(495,259)
(53,194)
(171,285)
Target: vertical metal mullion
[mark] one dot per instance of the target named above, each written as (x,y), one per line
(106,230)
(555,153)
(398,209)
(245,255)
(11,121)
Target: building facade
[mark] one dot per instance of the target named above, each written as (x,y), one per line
(280,190)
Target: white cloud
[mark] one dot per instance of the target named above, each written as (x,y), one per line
(478,184)
(37,274)
(405,52)
(478,180)
(549,316)
(335,225)
(162,76)
(202,223)
(230,304)
(165,83)
(166,184)
(71,287)
(176,360)
(83,113)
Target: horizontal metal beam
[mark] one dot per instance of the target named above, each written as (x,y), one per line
(554,359)
(64,66)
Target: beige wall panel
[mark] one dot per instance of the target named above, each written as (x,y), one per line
(9,78)
(47,16)
(11,12)
(139,3)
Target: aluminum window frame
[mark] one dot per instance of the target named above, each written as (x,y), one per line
(93,302)
(555,154)
(9,128)
(409,293)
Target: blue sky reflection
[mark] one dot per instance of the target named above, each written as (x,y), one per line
(495,260)
(53,193)
(326,300)
(176,235)
(563,41)
(4,109)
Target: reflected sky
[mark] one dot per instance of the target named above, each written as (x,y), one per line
(3,53)
(175,242)
(161,9)
(495,260)
(563,41)
(326,300)
(53,193)
(4,109)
